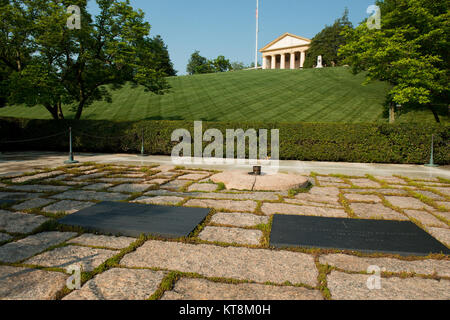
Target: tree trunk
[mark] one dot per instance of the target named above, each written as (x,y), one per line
(53,111)
(60,112)
(391,112)
(79,110)
(436,116)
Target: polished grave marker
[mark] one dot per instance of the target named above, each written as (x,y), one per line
(393,237)
(133,220)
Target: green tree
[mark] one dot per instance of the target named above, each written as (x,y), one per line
(237,65)
(220,64)
(198,64)
(53,65)
(410,51)
(161,56)
(327,43)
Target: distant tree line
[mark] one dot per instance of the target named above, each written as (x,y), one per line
(198,64)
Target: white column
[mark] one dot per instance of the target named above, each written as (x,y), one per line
(283,61)
(302,59)
(274,62)
(264,63)
(292,60)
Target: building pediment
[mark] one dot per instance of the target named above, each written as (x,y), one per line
(287,40)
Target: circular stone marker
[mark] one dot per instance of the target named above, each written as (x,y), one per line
(240,180)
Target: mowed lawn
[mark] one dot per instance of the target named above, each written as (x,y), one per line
(311,95)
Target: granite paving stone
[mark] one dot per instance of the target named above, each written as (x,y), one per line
(158,181)
(130,188)
(32,204)
(201,289)
(205,187)
(4,237)
(329,179)
(391,180)
(382,191)
(29,284)
(121,180)
(311,198)
(443,235)
(354,287)
(163,192)
(119,284)
(194,176)
(39,188)
(87,258)
(98,186)
(90,176)
(440,268)
(365,183)
(261,196)
(231,235)
(90,195)
(445,191)
(36,176)
(18,222)
(67,206)
(228,205)
(29,246)
(259,265)
(444,204)
(89,239)
(175,185)
(19,195)
(290,209)
(239,219)
(362,197)
(407,203)
(159,200)
(324,191)
(430,195)
(425,218)
(376,211)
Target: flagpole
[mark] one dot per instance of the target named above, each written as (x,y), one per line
(257,31)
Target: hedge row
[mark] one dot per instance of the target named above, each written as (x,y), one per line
(367,143)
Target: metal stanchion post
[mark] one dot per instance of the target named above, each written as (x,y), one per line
(142,145)
(71,159)
(431,164)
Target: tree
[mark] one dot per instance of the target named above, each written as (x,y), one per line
(162,57)
(198,64)
(410,51)
(220,64)
(236,66)
(327,43)
(54,65)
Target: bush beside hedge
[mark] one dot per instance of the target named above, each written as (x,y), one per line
(367,143)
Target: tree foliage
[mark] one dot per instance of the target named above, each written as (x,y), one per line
(52,65)
(410,51)
(327,43)
(198,64)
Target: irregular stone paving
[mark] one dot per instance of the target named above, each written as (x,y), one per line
(268,196)
(382,191)
(407,203)
(175,185)
(163,192)
(391,180)
(98,186)
(30,284)
(239,219)
(29,246)
(4,237)
(18,222)
(19,196)
(440,268)
(443,235)
(88,239)
(283,208)
(162,200)
(194,176)
(425,218)
(376,211)
(90,176)
(130,188)
(67,206)
(32,204)
(90,195)
(324,191)
(430,195)
(258,265)
(362,198)
(365,183)
(231,235)
(37,176)
(229,205)
(205,187)
(200,289)
(444,204)
(119,284)
(354,287)
(308,198)
(329,204)
(39,188)
(87,258)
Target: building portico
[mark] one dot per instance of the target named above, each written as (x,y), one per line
(286,52)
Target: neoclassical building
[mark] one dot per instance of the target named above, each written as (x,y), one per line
(285,52)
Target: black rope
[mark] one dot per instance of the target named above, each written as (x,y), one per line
(105,138)
(36,139)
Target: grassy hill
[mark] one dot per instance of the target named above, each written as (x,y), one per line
(311,95)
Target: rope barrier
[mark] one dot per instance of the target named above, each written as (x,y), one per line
(105,138)
(36,139)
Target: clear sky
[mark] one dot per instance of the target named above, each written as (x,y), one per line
(227,27)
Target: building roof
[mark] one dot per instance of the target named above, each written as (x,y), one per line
(301,41)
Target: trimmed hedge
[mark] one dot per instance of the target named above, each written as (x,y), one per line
(367,143)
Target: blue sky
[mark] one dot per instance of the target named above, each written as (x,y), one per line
(227,27)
